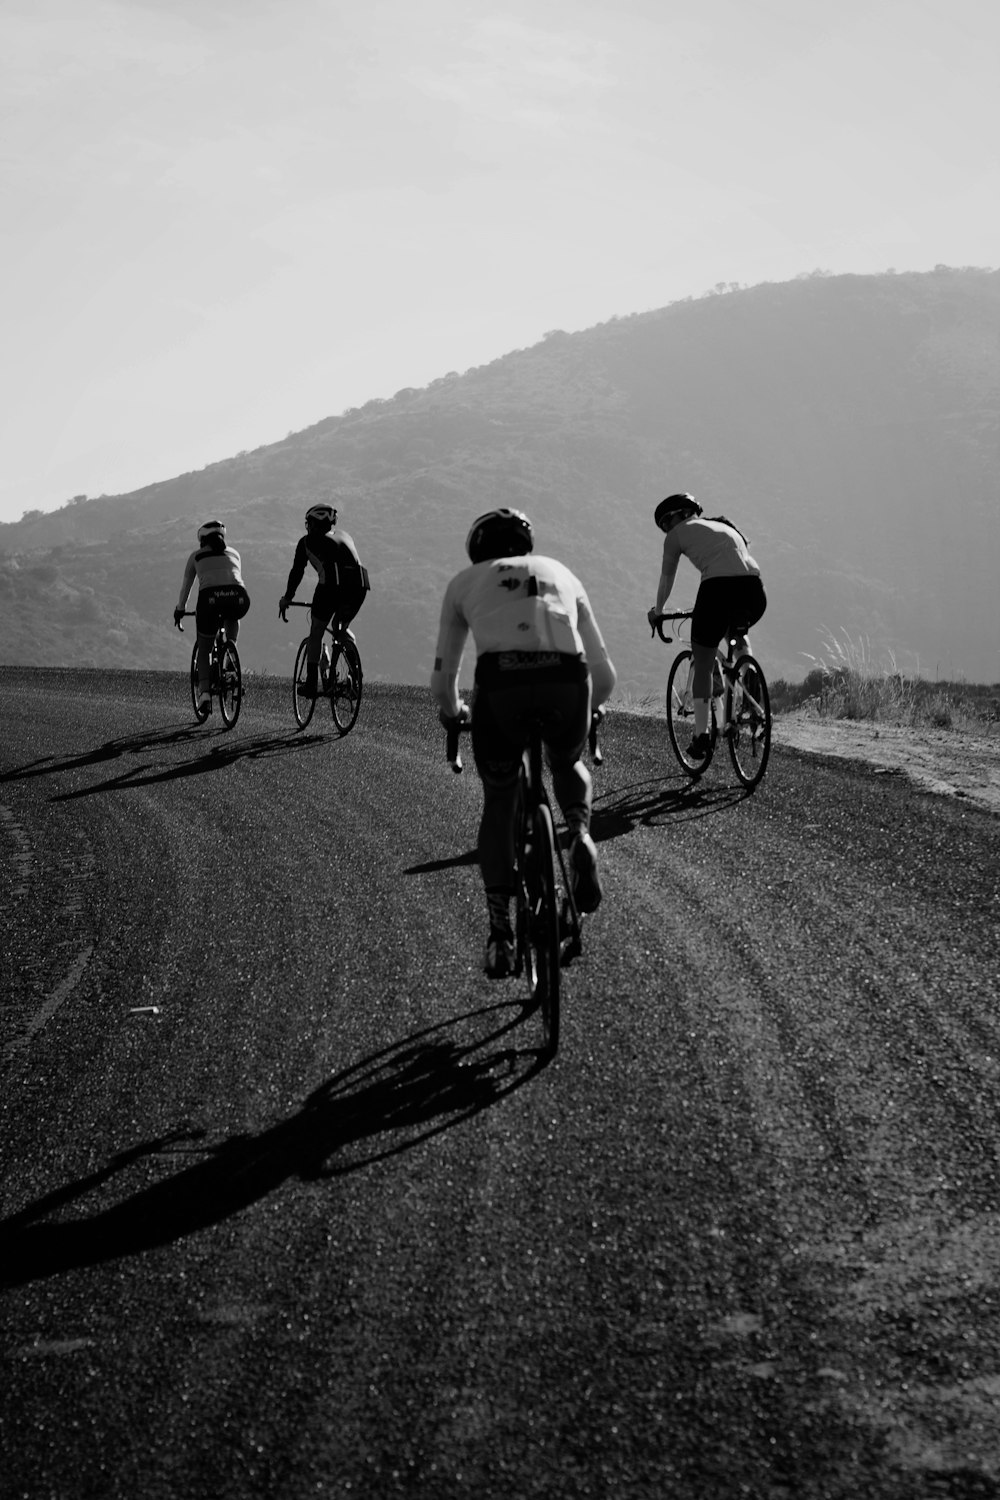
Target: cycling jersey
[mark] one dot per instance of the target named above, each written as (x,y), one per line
(715,549)
(530,608)
(333,555)
(211,569)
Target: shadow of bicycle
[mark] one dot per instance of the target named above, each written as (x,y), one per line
(385,1105)
(222,752)
(659,802)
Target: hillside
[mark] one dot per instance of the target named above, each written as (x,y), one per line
(849,424)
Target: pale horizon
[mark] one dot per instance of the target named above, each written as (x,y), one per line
(222,222)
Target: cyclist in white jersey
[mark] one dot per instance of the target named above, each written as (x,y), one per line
(222,598)
(730,595)
(539,652)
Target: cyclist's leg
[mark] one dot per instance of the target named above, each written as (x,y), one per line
(566,707)
(320,615)
(567,710)
(709,623)
(349,602)
(497,753)
(206,620)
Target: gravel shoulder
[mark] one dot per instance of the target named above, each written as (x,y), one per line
(947,762)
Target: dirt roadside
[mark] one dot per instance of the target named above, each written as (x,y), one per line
(948,762)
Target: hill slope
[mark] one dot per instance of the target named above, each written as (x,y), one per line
(849,424)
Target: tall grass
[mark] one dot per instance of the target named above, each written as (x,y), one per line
(849,680)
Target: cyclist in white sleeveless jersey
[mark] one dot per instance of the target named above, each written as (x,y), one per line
(222,598)
(539,652)
(730,594)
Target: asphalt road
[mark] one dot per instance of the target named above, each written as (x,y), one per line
(291,1207)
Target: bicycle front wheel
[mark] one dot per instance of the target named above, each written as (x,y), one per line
(538,923)
(345,687)
(680,715)
(201,714)
(230,684)
(302,705)
(748,713)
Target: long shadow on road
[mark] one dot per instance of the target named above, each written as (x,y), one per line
(378,1108)
(657,802)
(219,749)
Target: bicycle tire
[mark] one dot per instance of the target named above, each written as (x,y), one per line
(230,683)
(303,707)
(540,919)
(346,686)
(680,717)
(201,714)
(749,731)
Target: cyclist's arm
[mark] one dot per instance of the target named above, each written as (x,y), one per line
(187,584)
(602,672)
(452,636)
(668,572)
(298,569)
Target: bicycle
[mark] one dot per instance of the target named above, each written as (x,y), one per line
(340,677)
(225,676)
(547,926)
(740,708)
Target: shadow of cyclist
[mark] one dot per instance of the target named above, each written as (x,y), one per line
(659,802)
(131,744)
(225,752)
(378,1108)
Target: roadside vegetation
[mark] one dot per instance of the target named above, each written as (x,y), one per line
(850,681)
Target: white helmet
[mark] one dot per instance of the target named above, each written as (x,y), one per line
(211,528)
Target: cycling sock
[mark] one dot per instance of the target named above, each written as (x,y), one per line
(701,715)
(577,818)
(498,902)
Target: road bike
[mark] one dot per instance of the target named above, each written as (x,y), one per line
(740,708)
(547,926)
(341,679)
(225,677)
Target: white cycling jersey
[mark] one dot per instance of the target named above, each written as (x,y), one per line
(525,604)
(211,569)
(716,549)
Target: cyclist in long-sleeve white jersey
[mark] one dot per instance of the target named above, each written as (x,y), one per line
(222,598)
(539,652)
(730,595)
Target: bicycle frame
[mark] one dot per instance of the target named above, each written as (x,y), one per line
(742,719)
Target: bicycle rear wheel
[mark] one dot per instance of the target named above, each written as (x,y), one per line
(302,705)
(538,942)
(680,716)
(748,713)
(230,683)
(201,714)
(345,687)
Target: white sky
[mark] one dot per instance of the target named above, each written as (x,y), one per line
(221,220)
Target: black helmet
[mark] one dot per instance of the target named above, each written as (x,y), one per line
(499,533)
(322,515)
(674,503)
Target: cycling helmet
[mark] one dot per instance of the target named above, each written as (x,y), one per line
(673,504)
(211,528)
(499,533)
(321,515)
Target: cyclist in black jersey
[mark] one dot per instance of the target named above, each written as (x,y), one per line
(340,591)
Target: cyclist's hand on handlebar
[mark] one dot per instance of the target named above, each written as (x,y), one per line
(283,609)
(450,721)
(654,617)
(178,617)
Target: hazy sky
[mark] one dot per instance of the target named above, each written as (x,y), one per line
(222,220)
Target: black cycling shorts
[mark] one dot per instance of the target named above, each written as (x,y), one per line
(343,600)
(723,604)
(512,687)
(217,603)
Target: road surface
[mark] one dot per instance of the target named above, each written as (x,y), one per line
(291,1206)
